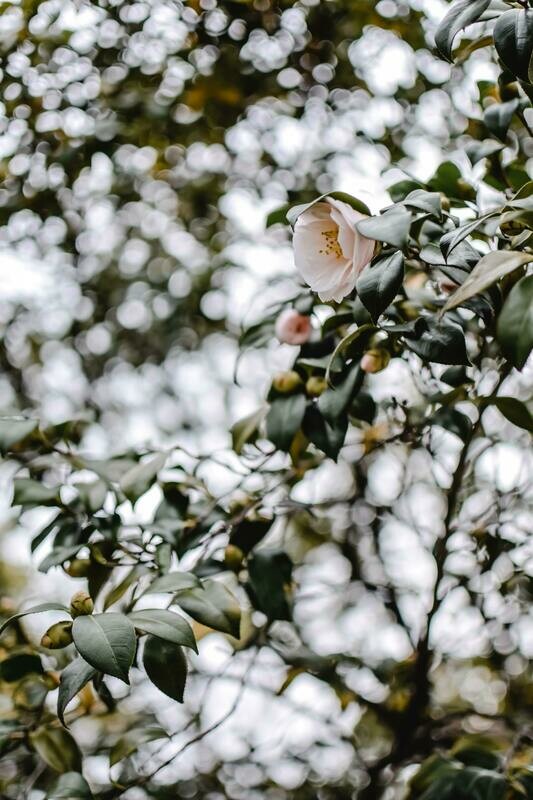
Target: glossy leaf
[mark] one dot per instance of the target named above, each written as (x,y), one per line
(379,283)
(461,14)
(442,343)
(19,665)
(173,582)
(328,437)
(212,605)
(489,269)
(246,429)
(166,666)
(73,679)
(27,492)
(335,400)
(284,419)
(107,641)
(41,608)
(164,624)
(515,323)
(515,411)
(498,117)
(513,39)
(270,578)
(57,748)
(139,478)
(392,227)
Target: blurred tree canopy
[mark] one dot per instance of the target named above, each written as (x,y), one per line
(280,544)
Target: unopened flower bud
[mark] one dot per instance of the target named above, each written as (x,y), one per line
(81,604)
(375,360)
(293,327)
(446,286)
(444,202)
(286,382)
(233,557)
(78,567)
(315,386)
(58,635)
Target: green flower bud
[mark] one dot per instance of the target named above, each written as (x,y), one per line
(81,604)
(233,557)
(286,382)
(58,635)
(78,567)
(315,386)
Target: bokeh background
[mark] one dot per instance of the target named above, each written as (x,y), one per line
(142,146)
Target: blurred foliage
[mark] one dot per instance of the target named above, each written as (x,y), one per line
(136,138)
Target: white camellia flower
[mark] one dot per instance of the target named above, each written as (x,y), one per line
(329,252)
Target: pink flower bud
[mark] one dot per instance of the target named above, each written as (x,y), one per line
(292,327)
(374,360)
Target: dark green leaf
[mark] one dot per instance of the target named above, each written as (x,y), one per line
(57,748)
(515,323)
(335,400)
(139,478)
(513,39)
(249,532)
(392,227)
(278,215)
(461,14)
(351,345)
(27,492)
(107,642)
(453,421)
(379,283)
(328,438)
(73,679)
(448,179)
(18,665)
(429,202)
(489,269)
(270,578)
(58,556)
(442,343)
(245,430)
(515,411)
(284,419)
(212,605)
(173,582)
(450,240)
(498,117)
(118,591)
(34,610)
(164,624)
(166,666)
(454,376)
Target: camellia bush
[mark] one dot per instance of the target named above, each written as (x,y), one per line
(372,536)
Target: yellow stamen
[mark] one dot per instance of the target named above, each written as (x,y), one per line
(332,246)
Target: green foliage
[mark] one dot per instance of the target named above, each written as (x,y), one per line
(515,323)
(166,666)
(135,142)
(106,642)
